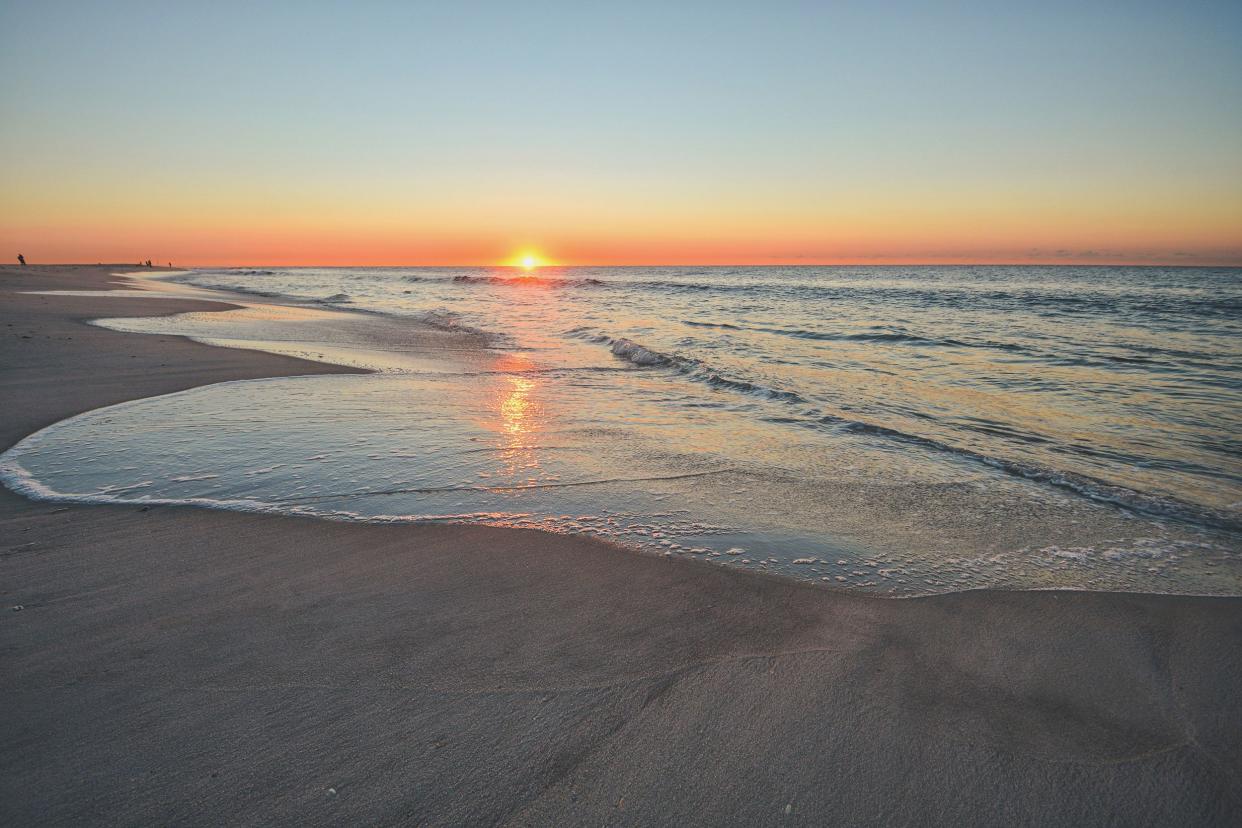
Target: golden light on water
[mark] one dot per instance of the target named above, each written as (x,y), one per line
(518,427)
(516,417)
(515,410)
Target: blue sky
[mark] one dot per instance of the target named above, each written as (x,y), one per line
(543,123)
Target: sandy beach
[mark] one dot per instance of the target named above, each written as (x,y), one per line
(177,665)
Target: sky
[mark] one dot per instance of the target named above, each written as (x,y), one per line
(369,133)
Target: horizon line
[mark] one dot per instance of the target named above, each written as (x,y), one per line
(1068,263)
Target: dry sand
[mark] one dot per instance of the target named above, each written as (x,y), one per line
(175,665)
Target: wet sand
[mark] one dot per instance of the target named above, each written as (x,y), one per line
(181,665)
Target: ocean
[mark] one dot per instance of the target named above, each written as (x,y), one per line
(901,430)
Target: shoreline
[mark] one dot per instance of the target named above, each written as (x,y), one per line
(572,683)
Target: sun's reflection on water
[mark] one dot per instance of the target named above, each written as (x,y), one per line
(520,417)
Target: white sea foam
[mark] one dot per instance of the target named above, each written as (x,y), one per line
(637,354)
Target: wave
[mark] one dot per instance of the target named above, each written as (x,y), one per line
(445,320)
(637,354)
(877,336)
(1092,488)
(723,325)
(1096,489)
(521,281)
(886,336)
(948,296)
(694,369)
(903,337)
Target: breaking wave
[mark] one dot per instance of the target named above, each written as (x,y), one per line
(1095,489)
(526,281)
(696,370)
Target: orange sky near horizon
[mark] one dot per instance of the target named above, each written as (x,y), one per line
(200,223)
(707,254)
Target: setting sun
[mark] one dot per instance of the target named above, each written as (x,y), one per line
(528,260)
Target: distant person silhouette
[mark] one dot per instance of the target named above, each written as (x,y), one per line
(21,259)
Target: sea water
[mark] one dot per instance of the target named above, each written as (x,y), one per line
(893,429)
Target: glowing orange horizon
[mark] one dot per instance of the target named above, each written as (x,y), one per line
(69,221)
(919,236)
(1227,259)
(1207,236)
(86,245)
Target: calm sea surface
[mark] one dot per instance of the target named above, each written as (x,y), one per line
(898,429)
